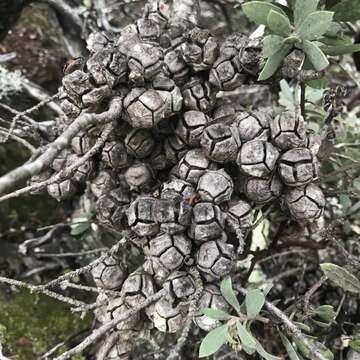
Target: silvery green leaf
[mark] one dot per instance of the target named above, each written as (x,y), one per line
(315,25)
(213,341)
(278,23)
(258,11)
(340,49)
(303,326)
(321,324)
(263,353)
(245,336)
(216,314)
(271,44)
(341,277)
(293,355)
(326,312)
(347,10)
(286,95)
(267,288)
(228,293)
(302,9)
(355,344)
(273,62)
(319,84)
(79,228)
(254,301)
(315,55)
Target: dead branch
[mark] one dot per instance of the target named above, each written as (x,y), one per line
(110,342)
(37,93)
(41,290)
(291,328)
(101,331)
(67,172)
(66,284)
(43,161)
(27,112)
(5,134)
(175,352)
(87,268)
(35,242)
(70,254)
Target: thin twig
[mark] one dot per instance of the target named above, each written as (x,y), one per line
(18,139)
(312,291)
(35,242)
(47,355)
(27,112)
(84,269)
(102,330)
(36,92)
(302,99)
(69,171)
(28,119)
(175,352)
(70,254)
(53,149)
(39,289)
(110,342)
(66,284)
(291,328)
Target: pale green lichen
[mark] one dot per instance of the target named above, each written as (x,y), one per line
(31,324)
(10,82)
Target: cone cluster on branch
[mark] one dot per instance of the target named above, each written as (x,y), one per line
(181,169)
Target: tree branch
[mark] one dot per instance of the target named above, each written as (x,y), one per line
(85,120)
(290,327)
(67,172)
(175,352)
(102,330)
(84,269)
(39,289)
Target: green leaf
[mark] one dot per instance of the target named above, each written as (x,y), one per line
(303,326)
(319,84)
(79,228)
(341,277)
(273,63)
(315,25)
(271,44)
(229,294)
(293,355)
(338,41)
(254,301)
(258,11)
(315,55)
(302,9)
(355,344)
(213,341)
(306,351)
(278,23)
(245,336)
(286,95)
(323,325)
(249,351)
(262,352)
(347,10)
(267,288)
(326,312)
(216,314)
(335,30)
(340,49)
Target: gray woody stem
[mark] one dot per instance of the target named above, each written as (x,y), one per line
(43,161)
(101,331)
(291,328)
